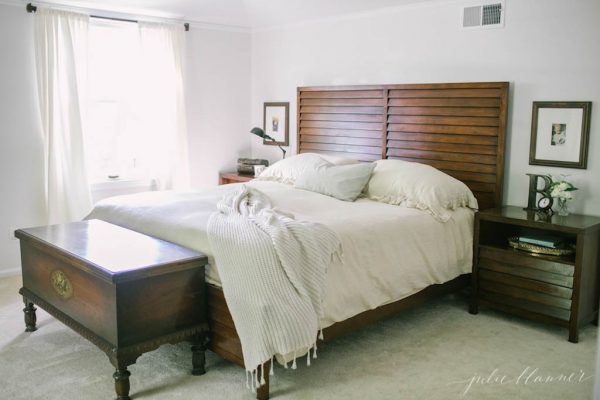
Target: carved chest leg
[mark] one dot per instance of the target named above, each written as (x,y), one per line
(30,317)
(122,383)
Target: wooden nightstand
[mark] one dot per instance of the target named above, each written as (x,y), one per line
(233,177)
(554,289)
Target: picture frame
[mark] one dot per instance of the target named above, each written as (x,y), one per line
(560,133)
(276,123)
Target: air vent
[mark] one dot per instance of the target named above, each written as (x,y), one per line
(490,15)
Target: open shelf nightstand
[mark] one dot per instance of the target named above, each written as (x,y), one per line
(562,290)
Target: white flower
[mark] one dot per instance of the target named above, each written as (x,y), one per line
(562,190)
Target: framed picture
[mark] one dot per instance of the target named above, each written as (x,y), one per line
(560,134)
(276,123)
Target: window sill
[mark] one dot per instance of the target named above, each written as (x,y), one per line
(119,187)
(123,183)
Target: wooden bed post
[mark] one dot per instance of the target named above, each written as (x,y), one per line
(262,393)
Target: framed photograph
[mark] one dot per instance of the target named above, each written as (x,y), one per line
(276,123)
(560,134)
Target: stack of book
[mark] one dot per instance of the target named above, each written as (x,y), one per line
(246,165)
(551,242)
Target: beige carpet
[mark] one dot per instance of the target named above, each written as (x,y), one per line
(429,353)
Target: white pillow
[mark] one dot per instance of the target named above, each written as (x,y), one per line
(344,182)
(289,169)
(338,160)
(419,186)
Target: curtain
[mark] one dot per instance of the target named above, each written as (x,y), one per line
(60,40)
(161,102)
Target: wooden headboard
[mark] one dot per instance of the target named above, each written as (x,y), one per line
(458,128)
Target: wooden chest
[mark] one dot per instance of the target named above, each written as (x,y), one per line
(126,292)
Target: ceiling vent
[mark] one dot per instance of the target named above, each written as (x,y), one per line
(489,15)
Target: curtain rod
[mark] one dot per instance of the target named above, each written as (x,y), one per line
(31,9)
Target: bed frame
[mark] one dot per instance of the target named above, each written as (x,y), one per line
(458,128)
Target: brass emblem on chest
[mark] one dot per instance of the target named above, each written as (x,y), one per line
(61,284)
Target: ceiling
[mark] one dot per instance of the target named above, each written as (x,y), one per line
(240,13)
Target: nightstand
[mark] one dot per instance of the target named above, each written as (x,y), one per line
(233,177)
(562,290)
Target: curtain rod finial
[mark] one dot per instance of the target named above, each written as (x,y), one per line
(30,8)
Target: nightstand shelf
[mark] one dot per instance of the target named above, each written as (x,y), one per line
(508,251)
(558,289)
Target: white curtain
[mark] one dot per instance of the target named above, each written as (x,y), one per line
(161,103)
(61,64)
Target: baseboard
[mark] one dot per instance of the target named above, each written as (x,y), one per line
(5,273)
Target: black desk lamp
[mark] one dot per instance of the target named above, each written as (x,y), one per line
(259,132)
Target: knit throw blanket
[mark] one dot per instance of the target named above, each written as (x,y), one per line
(272,268)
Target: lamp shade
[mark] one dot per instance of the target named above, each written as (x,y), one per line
(258,132)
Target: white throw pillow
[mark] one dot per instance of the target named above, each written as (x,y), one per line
(344,182)
(289,169)
(419,186)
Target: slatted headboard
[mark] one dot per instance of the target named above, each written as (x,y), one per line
(458,128)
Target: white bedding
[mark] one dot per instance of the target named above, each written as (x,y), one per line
(389,251)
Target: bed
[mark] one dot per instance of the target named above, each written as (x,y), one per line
(458,128)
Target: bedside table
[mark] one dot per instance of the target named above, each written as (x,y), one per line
(233,177)
(562,290)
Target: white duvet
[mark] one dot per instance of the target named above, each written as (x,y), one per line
(389,252)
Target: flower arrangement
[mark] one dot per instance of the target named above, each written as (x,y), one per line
(563,191)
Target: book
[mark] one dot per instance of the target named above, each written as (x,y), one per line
(552,242)
(246,165)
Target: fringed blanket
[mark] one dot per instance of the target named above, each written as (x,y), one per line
(272,268)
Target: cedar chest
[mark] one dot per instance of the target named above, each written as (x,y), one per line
(126,292)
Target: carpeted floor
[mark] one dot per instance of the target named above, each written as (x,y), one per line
(438,351)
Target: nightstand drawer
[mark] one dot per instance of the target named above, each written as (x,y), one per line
(529,284)
(510,304)
(524,294)
(524,272)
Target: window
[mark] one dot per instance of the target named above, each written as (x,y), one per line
(135,123)
(114,123)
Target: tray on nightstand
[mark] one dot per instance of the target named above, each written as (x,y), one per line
(513,241)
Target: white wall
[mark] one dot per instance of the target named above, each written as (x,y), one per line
(548,50)
(218,103)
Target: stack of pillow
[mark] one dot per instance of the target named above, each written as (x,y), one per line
(394,182)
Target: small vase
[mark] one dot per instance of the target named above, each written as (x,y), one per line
(563,207)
